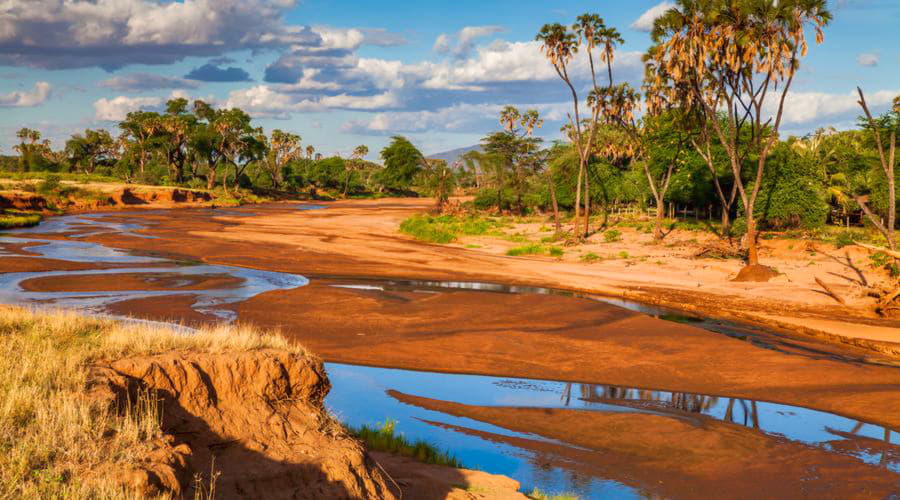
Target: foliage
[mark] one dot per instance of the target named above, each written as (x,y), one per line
(10,219)
(446,228)
(402,162)
(612,236)
(537,494)
(383,437)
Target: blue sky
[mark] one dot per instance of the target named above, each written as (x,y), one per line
(342,73)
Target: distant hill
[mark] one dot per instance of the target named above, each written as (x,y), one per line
(451,156)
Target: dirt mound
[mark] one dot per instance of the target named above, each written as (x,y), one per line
(128,196)
(757,273)
(254,420)
(22,201)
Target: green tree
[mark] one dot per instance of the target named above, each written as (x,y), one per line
(86,151)
(402,161)
(733,56)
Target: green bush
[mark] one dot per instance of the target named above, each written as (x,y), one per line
(50,184)
(556,252)
(532,249)
(612,236)
(590,257)
(844,239)
(446,228)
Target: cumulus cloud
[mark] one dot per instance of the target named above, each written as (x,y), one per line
(867,59)
(645,22)
(455,118)
(117,108)
(212,73)
(146,81)
(35,97)
(462,42)
(812,107)
(262,101)
(113,33)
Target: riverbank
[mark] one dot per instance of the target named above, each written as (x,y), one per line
(364,237)
(100,408)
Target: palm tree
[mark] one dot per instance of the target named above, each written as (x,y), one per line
(729,57)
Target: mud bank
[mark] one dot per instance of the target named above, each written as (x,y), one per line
(107,197)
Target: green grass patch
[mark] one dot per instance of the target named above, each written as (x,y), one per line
(532,249)
(556,252)
(612,236)
(384,437)
(447,228)
(11,219)
(65,176)
(537,494)
(590,257)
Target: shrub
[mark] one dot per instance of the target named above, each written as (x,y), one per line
(590,257)
(612,236)
(50,184)
(556,252)
(844,239)
(532,249)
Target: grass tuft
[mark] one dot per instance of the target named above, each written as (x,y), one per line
(383,437)
(537,494)
(55,442)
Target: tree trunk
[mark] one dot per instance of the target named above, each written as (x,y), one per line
(587,204)
(578,195)
(555,205)
(726,222)
(657,228)
(752,252)
(210,177)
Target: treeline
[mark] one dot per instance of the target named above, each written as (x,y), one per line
(702,133)
(199,146)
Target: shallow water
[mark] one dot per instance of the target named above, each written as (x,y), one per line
(359,393)
(360,397)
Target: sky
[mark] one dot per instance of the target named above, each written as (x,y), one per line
(346,72)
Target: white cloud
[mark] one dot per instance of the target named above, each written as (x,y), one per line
(114,33)
(645,22)
(117,108)
(19,99)
(455,118)
(867,59)
(809,107)
(465,39)
(264,101)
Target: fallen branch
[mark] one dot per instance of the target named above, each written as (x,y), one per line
(831,292)
(885,251)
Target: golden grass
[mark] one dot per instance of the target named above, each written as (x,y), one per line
(55,442)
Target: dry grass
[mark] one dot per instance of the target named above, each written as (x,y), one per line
(55,442)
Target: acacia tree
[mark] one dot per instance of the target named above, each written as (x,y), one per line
(887,160)
(281,149)
(560,45)
(732,56)
(138,131)
(85,151)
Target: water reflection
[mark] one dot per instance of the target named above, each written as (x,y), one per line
(360,396)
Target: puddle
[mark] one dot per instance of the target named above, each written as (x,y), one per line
(359,397)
